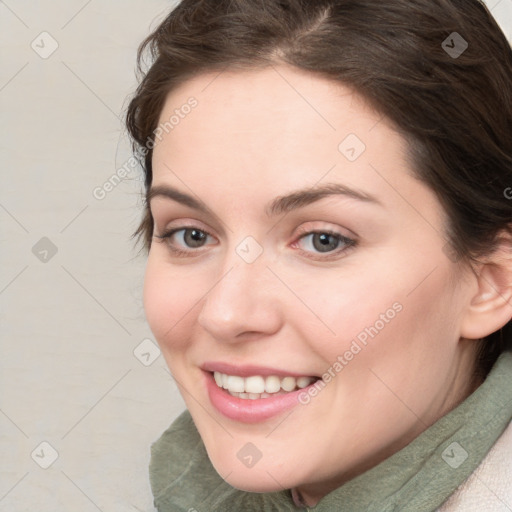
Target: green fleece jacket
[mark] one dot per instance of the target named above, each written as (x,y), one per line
(418,478)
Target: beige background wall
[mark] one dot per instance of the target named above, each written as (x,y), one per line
(83,390)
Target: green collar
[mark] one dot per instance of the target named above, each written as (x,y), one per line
(418,478)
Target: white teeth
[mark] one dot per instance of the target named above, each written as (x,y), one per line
(302,382)
(256,386)
(272,384)
(235,383)
(288,383)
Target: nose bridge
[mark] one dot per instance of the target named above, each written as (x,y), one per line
(243,271)
(240,299)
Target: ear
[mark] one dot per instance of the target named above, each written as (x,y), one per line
(490,307)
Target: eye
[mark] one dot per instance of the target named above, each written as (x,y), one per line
(187,237)
(325,242)
(184,241)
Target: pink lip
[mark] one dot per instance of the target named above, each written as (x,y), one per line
(248,370)
(246,410)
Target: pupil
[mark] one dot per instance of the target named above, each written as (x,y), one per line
(326,242)
(194,238)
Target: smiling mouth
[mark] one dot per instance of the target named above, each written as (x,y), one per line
(257,386)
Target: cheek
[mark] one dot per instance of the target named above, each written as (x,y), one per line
(385,316)
(169,300)
(354,307)
(413,349)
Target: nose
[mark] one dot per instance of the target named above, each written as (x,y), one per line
(242,303)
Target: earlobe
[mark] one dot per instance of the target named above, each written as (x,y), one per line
(490,308)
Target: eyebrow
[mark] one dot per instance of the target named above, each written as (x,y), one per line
(282,204)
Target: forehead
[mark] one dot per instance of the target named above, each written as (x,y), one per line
(263,132)
(269,105)
(288,111)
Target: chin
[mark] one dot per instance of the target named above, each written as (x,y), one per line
(260,478)
(261,483)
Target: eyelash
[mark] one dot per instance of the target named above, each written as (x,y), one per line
(349,242)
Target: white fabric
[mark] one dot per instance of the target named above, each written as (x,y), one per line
(489,488)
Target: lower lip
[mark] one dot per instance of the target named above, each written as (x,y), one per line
(247,410)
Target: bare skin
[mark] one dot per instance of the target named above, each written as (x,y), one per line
(252,138)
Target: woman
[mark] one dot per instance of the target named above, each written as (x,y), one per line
(330,253)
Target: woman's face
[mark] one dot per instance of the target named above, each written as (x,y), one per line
(306,249)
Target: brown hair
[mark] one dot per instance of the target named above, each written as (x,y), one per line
(408,58)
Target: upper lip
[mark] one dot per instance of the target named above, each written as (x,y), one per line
(247,370)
